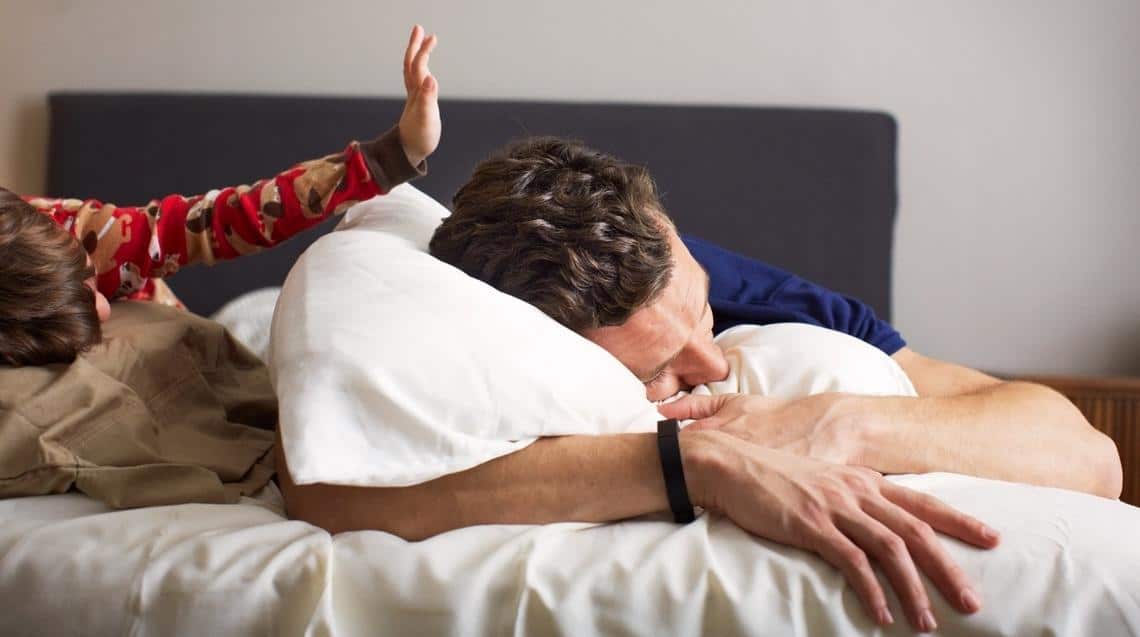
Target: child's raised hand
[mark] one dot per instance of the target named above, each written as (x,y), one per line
(419,124)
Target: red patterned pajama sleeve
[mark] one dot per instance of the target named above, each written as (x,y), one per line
(131,246)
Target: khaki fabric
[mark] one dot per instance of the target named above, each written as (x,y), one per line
(168,409)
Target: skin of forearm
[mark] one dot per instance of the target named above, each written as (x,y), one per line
(1008,431)
(570,478)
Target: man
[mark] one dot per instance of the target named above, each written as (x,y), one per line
(583,237)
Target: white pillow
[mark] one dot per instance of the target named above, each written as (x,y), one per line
(394,368)
(247,318)
(791,360)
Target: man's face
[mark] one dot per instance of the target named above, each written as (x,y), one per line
(668,344)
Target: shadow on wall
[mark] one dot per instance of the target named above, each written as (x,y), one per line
(27,154)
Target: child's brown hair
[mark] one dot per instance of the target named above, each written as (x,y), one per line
(47,311)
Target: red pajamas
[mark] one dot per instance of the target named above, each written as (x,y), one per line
(132,246)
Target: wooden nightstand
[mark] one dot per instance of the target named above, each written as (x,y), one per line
(1112,405)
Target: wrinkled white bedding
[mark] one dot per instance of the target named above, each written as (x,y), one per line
(1065,566)
(70,566)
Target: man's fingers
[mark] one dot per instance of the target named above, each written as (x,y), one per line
(711,422)
(891,552)
(693,407)
(941,516)
(928,553)
(840,552)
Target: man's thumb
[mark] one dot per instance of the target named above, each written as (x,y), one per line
(692,407)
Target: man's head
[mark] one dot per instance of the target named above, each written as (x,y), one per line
(583,237)
(48,307)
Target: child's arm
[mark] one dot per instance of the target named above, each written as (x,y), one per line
(129,245)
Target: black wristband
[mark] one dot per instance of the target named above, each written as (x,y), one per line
(669,448)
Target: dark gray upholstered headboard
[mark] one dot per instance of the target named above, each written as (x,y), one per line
(812,191)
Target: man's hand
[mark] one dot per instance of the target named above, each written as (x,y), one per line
(419,124)
(962,421)
(847,515)
(803,426)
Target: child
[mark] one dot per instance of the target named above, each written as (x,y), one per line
(62,259)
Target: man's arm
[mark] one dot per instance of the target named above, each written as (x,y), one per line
(570,478)
(963,421)
(846,515)
(970,422)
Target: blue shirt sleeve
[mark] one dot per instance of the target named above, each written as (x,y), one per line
(746,291)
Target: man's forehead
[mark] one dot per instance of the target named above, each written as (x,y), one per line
(642,340)
(656,333)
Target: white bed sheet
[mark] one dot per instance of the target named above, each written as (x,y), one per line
(70,566)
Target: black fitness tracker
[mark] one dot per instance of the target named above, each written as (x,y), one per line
(669,447)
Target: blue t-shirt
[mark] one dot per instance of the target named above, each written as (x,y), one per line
(742,290)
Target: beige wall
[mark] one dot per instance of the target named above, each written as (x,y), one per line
(1020,120)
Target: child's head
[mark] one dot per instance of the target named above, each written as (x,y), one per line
(47,305)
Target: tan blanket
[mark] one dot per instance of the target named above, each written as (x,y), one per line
(168,409)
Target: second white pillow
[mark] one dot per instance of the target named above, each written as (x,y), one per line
(791,360)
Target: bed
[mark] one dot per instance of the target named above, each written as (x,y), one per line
(810,190)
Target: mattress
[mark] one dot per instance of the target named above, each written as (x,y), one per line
(71,566)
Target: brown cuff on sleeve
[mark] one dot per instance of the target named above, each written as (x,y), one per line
(387,161)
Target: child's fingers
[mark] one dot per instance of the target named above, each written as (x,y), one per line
(419,63)
(410,53)
(423,99)
(429,87)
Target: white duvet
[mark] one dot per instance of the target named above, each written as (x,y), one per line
(70,566)
(1069,564)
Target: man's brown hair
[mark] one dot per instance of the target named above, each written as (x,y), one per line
(47,312)
(572,231)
